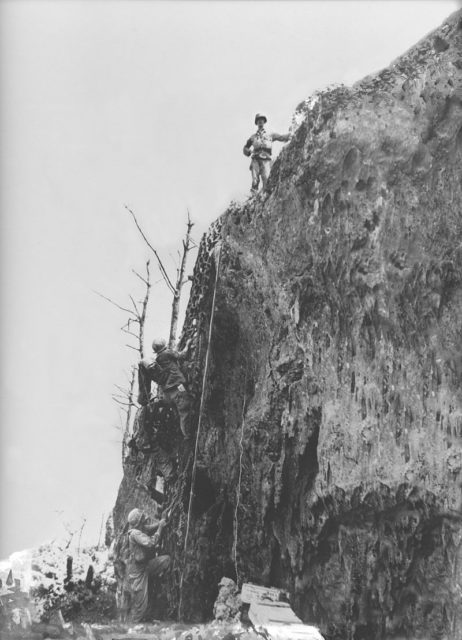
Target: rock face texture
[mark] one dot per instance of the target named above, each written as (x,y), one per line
(329,446)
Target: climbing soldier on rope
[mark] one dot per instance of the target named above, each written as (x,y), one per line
(164,369)
(259,146)
(142,564)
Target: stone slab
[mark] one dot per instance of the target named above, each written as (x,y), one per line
(253,592)
(278,621)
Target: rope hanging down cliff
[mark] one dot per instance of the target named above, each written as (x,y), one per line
(199,424)
(238,488)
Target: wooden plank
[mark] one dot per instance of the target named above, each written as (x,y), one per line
(294,632)
(130,636)
(251,592)
(278,621)
(265,613)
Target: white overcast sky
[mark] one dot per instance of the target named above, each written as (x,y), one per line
(145,103)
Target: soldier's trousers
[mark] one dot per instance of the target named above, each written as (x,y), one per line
(155,568)
(144,386)
(259,168)
(182,402)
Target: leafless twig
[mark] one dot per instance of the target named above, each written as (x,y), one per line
(116,304)
(180,282)
(100,531)
(142,317)
(162,269)
(141,277)
(84,520)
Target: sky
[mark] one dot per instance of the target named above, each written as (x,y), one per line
(146,104)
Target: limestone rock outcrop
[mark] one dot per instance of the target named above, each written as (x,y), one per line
(329,455)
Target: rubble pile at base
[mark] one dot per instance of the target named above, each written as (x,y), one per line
(54,585)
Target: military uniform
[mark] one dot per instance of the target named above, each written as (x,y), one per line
(142,567)
(165,371)
(261,144)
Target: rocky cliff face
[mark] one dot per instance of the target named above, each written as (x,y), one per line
(329,457)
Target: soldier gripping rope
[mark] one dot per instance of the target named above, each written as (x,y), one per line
(259,146)
(137,564)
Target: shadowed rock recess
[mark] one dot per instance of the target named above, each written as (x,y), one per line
(329,454)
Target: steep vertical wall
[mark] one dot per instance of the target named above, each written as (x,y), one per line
(330,448)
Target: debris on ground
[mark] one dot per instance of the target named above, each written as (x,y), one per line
(228,604)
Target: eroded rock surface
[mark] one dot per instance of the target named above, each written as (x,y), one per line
(329,454)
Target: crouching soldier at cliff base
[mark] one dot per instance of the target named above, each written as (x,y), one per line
(164,369)
(143,566)
(259,146)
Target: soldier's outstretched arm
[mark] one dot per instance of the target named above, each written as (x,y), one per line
(181,355)
(157,536)
(143,539)
(152,527)
(280,137)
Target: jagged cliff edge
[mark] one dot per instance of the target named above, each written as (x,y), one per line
(329,455)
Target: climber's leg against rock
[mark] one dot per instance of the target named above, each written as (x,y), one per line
(265,168)
(141,587)
(183,404)
(255,169)
(139,597)
(157,567)
(144,385)
(182,401)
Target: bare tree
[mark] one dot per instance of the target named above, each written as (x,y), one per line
(180,281)
(70,532)
(100,531)
(136,314)
(160,264)
(133,327)
(125,399)
(176,289)
(71,529)
(140,314)
(84,521)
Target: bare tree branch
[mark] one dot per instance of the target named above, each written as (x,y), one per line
(141,277)
(126,326)
(130,333)
(180,282)
(143,310)
(118,396)
(123,404)
(175,263)
(121,389)
(127,376)
(134,304)
(112,302)
(126,432)
(100,531)
(159,261)
(80,533)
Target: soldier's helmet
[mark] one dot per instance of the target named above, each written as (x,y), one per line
(260,116)
(158,344)
(134,517)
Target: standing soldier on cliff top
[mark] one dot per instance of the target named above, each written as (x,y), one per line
(261,142)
